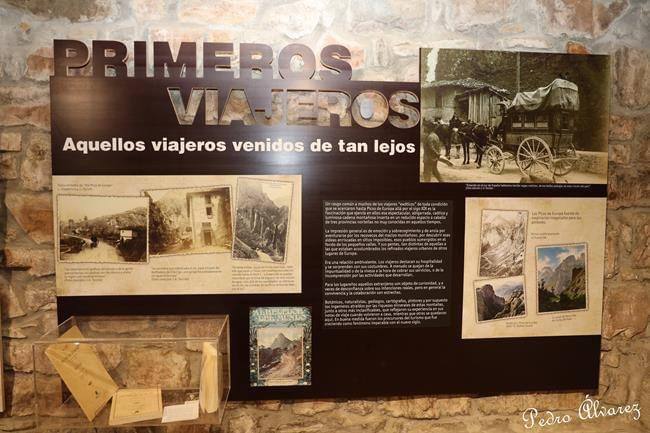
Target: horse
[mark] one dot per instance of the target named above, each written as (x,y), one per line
(466,136)
(481,134)
(478,134)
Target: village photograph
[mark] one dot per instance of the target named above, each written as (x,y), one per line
(262,219)
(500,299)
(194,220)
(561,277)
(513,117)
(102,229)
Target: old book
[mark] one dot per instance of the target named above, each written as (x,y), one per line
(211,387)
(280,346)
(83,372)
(135,405)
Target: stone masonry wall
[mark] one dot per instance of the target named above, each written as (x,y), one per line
(384,36)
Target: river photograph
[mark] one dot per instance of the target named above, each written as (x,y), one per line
(102,229)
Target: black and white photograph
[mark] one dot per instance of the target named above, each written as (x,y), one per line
(513,117)
(500,299)
(262,220)
(561,277)
(194,220)
(102,229)
(280,353)
(503,243)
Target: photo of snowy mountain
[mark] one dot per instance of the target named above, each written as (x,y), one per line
(503,243)
(561,277)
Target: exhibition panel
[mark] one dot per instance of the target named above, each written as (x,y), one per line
(421,226)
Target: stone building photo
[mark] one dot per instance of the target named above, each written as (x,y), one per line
(468,99)
(516,100)
(190,221)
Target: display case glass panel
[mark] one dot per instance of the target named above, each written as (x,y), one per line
(103,371)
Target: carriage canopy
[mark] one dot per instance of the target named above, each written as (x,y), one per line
(559,94)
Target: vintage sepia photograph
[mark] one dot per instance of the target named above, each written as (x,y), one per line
(102,229)
(513,117)
(561,277)
(503,243)
(500,299)
(262,219)
(280,353)
(190,220)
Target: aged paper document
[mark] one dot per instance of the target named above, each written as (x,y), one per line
(181,412)
(146,235)
(135,405)
(83,372)
(533,267)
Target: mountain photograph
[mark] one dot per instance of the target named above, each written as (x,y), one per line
(102,229)
(280,353)
(262,220)
(500,299)
(503,243)
(561,278)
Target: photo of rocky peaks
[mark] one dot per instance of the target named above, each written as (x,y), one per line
(503,243)
(561,278)
(262,220)
(280,353)
(500,299)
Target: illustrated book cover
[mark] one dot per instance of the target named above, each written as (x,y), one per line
(280,346)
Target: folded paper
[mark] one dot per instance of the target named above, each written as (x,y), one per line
(211,386)
(83,372)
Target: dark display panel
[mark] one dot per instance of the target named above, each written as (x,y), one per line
(346,362)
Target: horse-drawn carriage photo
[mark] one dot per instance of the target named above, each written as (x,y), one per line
(540,134)
(536,131)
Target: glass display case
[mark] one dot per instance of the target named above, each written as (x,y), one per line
(126,371)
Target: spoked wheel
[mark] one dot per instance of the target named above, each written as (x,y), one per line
(564,164)
(534,157)
(495,159)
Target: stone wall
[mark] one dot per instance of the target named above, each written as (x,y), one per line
(384,36)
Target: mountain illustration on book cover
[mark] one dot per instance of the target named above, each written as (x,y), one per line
(280,346)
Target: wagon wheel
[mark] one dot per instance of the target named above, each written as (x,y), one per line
(534,156)
(495,159)
(564,164)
